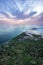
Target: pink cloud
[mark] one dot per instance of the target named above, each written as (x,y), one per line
(28,21)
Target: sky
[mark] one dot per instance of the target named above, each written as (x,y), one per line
(21,12)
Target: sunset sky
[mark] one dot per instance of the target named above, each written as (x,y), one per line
(21,12)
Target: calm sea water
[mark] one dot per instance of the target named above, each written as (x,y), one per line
(9,33)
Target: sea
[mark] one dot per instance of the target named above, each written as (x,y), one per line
(6,34)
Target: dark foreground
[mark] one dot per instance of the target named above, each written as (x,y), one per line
(22,50)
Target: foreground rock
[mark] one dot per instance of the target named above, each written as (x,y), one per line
(25,49)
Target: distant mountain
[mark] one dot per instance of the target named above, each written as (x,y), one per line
(34,28)
(25,49)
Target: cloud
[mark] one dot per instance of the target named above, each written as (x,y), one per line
(24,12)
(21,8)
(41,18)
(7,15)
(37,20)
